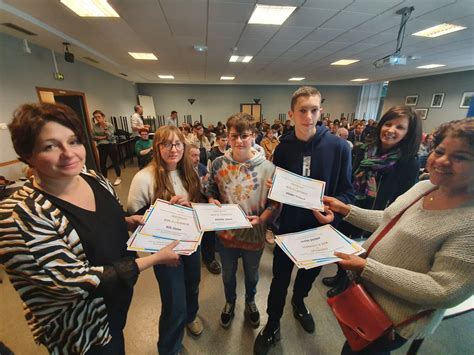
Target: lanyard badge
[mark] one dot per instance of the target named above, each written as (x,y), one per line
(307,165)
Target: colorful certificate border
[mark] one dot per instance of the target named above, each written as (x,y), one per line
(311,263)
(301,177)
(223,228)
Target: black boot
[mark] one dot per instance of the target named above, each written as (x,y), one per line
(340,287)
(333,281)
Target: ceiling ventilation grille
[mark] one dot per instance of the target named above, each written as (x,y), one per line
(19,29)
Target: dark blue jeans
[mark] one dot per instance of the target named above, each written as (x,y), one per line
(282,268)
(381,346)
(179,290)
(251,263)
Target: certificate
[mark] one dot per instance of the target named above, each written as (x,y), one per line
(173,222)
(296,190)
(165,223)
(211,217)
(316,247)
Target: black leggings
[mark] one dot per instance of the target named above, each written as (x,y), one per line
(106,150)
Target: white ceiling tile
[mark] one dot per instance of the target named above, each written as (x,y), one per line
(328,4)
(293,33)
(374,6)
(347,19)
(324,34)
(355,36)
(309,17)
(279,45)
(225,30)
(230,12)
(306,46)
(334,46)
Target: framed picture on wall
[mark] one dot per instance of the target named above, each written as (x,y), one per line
(422,113)
(437,99)
(466,99)
(411,100)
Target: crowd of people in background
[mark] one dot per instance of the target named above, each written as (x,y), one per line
(67,233)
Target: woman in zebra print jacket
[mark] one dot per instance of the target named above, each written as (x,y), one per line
(63,239)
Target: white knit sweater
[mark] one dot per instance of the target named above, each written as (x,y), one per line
(426,261)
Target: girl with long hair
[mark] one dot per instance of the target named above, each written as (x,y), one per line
(171,177)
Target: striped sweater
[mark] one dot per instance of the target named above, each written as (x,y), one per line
(46,263)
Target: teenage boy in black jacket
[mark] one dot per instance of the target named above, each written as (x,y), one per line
(314,152)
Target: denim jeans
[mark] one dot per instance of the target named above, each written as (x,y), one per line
(251,263)
(179,290)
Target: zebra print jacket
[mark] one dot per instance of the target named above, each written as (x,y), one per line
(46,263)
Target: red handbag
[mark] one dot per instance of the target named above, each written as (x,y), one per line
(361,319)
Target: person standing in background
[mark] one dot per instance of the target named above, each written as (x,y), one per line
(172,120)
(137,120)
(103,135)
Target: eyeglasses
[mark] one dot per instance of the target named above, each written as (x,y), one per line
(178,145)
(244,137)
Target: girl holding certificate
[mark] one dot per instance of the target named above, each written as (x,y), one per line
(382,171)
(63,239)
(171,177)
(425,261)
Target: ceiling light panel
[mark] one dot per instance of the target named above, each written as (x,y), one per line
(166,76)
(227,77)
(360,79)
(439,30)
(240,59)
(345,62)
(431,66)
(91,8)
(296,79)
(143,56)
(270,15)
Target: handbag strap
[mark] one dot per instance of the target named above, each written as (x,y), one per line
(414,318)
(379,238)
(395,220)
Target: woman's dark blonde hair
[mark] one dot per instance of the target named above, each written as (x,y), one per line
(163,186)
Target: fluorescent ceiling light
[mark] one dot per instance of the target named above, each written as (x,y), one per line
(240,59)
(360,79)
(345,62)
(439,30)
(270,15)
(227,77)
(91,8)
(143,56)
(431,66)
(296,79)
(166,76)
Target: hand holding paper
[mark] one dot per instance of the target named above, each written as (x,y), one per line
(351,262)
(296,190)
